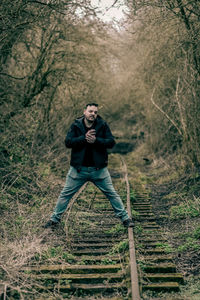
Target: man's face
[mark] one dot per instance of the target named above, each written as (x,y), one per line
(90,113)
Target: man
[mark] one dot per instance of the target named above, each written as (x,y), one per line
(89,137)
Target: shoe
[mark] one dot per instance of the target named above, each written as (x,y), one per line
(128,223)
(51,224)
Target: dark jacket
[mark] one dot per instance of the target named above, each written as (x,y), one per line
(75,139)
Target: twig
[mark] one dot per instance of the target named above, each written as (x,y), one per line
(165,114)
(179,106)
(13,77)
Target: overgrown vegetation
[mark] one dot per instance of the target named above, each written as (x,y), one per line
(178,201)
(55,57)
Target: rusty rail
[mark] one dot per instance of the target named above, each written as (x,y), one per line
(133,265)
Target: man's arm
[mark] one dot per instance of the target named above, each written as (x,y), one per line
(72,140)
(108,140)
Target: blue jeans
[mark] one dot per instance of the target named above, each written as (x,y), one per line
(101,178)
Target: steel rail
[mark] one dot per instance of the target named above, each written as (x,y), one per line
(133,265)
(70,206)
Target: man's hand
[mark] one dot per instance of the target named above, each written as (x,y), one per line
(90,136)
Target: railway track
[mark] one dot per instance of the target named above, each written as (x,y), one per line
(158,272)
(104,253)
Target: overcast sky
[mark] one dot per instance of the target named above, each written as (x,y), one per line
(110,13)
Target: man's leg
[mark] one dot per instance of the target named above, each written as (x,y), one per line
(73,183)
(103,181)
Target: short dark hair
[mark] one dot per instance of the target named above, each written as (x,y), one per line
(91,104)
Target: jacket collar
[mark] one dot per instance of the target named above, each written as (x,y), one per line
(79,123)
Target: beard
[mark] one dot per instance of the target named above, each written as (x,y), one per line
(90,119)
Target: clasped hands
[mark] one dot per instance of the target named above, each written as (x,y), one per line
(90,136)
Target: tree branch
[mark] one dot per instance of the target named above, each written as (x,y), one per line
(179,107)
(165,114)
(47,4)
(13,77)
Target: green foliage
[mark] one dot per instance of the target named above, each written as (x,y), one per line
(132,196)
(141,264)
(44,169)
(68,257)
(100,205)
(65,282)
(58,253)
(196,233)
(190,240)
(135,213)
(19,220)
(118,228)
(121,247)
(190,244)
(138,229)
(165,246)
(90,188)
(191,208)
(108,261)
(4,203)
